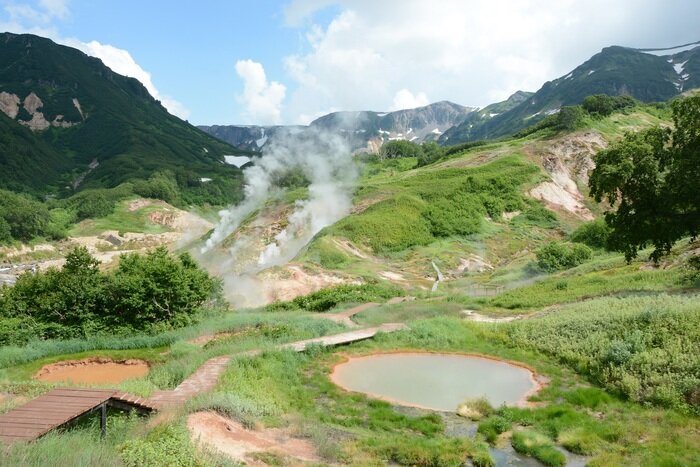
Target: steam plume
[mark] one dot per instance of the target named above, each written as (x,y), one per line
(326,162)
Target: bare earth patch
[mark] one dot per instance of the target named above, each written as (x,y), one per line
(231,438)
(93,371)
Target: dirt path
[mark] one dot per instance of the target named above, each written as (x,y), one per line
(207,376)
(344,317)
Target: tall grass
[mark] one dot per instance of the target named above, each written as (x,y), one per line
(645,348)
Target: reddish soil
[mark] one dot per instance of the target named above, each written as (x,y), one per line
(231,438)
(93,371)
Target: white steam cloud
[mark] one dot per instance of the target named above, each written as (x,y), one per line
(326,162)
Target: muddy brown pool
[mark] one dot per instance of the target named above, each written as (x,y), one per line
(435,381)
(93,371)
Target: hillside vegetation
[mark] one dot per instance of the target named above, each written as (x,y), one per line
(115,133)
(524,277)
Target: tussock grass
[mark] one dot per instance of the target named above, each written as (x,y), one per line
(539,446)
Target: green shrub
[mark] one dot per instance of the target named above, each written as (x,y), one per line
(391,225)
(556,256)
(538,216)
(539,446)
(595,234)
(24,217)
(400,148)
(144,293)
(461,215)
(604,105)
(166,446)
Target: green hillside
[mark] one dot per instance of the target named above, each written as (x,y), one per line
(90,115)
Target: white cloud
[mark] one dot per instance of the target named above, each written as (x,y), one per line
(56,8)
(473,53)
(262,99)
(121,61)
(405,99)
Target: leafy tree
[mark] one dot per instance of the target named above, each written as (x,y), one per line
(603,104)
(430,152)
(156,287)
(63,302)
(652,178)
(595,234)
(79,300)
(25,217)
(5,233)
(569,118)
(400,148)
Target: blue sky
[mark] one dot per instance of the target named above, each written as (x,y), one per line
(224,62)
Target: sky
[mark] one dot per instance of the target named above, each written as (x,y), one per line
(288,62)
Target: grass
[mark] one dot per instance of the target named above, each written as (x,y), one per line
(539,446)
(122,220)
(573,285)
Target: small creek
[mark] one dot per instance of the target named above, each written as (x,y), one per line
(435,381)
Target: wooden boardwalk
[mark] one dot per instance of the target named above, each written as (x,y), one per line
(61,406)
(58,407)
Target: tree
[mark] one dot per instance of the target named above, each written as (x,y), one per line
(399,148)
(652,178)
(156,287)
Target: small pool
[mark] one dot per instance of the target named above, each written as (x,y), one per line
(435,381)
(93,371)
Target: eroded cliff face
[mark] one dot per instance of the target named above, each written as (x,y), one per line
(10,105)
(568,161)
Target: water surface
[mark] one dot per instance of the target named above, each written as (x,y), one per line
(435,381)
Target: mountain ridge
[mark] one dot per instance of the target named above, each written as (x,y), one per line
(615,70)
(363,130)
(89,121)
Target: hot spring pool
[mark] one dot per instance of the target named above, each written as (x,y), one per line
(435,381)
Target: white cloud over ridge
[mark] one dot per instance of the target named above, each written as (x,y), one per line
(121,61)
(25,18)
(384,55)
(261,99)
(405,99)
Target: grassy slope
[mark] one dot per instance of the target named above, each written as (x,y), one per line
(617,392)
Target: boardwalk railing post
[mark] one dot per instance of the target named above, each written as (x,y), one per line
(103,420)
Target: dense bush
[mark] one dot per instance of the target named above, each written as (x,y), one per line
(644,348)
(391,225)
(161,185)
(433,204)
(460,215)
(425,153)
(21,216)
(399,148)
(557,256)
(430,152)
(325,299)
(604,105)
(145,292)
(595,234)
